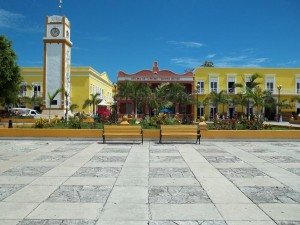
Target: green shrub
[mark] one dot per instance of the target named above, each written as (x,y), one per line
(74,123)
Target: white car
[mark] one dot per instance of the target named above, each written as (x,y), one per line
(32,113)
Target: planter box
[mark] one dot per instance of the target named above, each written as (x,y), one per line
(53,133)
(150,134)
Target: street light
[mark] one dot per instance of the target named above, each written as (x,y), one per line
(279,108)
(34,87)
(198,87)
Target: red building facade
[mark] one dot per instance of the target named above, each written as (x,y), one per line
(155,77)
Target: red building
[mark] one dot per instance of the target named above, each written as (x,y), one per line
(155,77)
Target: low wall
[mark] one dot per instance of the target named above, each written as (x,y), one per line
(151,134)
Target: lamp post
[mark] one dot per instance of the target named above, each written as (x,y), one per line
(279,108)
(198,86)
(115,101)
(34,86)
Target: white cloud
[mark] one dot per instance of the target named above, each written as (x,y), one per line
(211,56)
(240,61)
(10,19)
(186,62)
(188,44)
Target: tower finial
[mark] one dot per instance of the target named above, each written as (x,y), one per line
(60,4)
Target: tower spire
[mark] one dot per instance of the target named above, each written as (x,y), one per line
(60,4)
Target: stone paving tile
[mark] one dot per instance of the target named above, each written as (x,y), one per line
(166,159)
(271,194)
(97,172)
(242,172)
(57,222)
(152,184)
(223,159)
(80,194)
(170,172)
(210,150)
(51,158)
(288,222)
(199,222)
(280,159)
(295,170)
(165,150)
(115,150)
(8,189)
(285,144)
(26,171)
(178,195)
(108,159)
(25,149)
(258,150)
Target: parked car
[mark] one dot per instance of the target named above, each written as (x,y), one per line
(31,113)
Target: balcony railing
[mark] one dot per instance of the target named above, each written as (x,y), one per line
(201,91)
(231,91)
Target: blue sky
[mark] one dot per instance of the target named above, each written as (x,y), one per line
(129,35)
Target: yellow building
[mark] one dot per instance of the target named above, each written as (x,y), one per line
(84,82)
(281,82)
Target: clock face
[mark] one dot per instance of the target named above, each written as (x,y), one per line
(54,32)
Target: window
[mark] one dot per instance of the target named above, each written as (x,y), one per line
(270,81)
(298,86)
(213,86)
(270,87)
(23,89)
(231,87)
(36,90)
(201,87)
(231,79)
(213,82)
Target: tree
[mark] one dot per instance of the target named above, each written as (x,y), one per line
(125,90)
(207,64)
(73,106)
(218,98)
(176,93)
(52,97)
(142,92)
(250,85)
(67,105)
(10,76)
(94,101)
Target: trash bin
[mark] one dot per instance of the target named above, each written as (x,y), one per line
(10,124)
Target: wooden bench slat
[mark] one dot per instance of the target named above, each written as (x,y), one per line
(118,131)
(179,131)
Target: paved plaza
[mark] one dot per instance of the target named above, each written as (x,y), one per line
(76,182)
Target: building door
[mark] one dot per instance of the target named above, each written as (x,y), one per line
(231,112)
(213,111)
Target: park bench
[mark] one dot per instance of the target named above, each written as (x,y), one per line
(122,132)
(180,131)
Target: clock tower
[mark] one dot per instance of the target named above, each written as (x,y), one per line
(57,64)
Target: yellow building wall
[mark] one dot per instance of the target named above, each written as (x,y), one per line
(82,78)
(282,76)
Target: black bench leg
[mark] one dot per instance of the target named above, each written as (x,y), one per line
(103,139)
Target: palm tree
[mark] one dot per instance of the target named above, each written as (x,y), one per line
(240,99)
(67,105)
(73,106)
(52,97)
(259,98)
(250,85)
(94,101)
(218,98)
(141,94)
(125,90)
